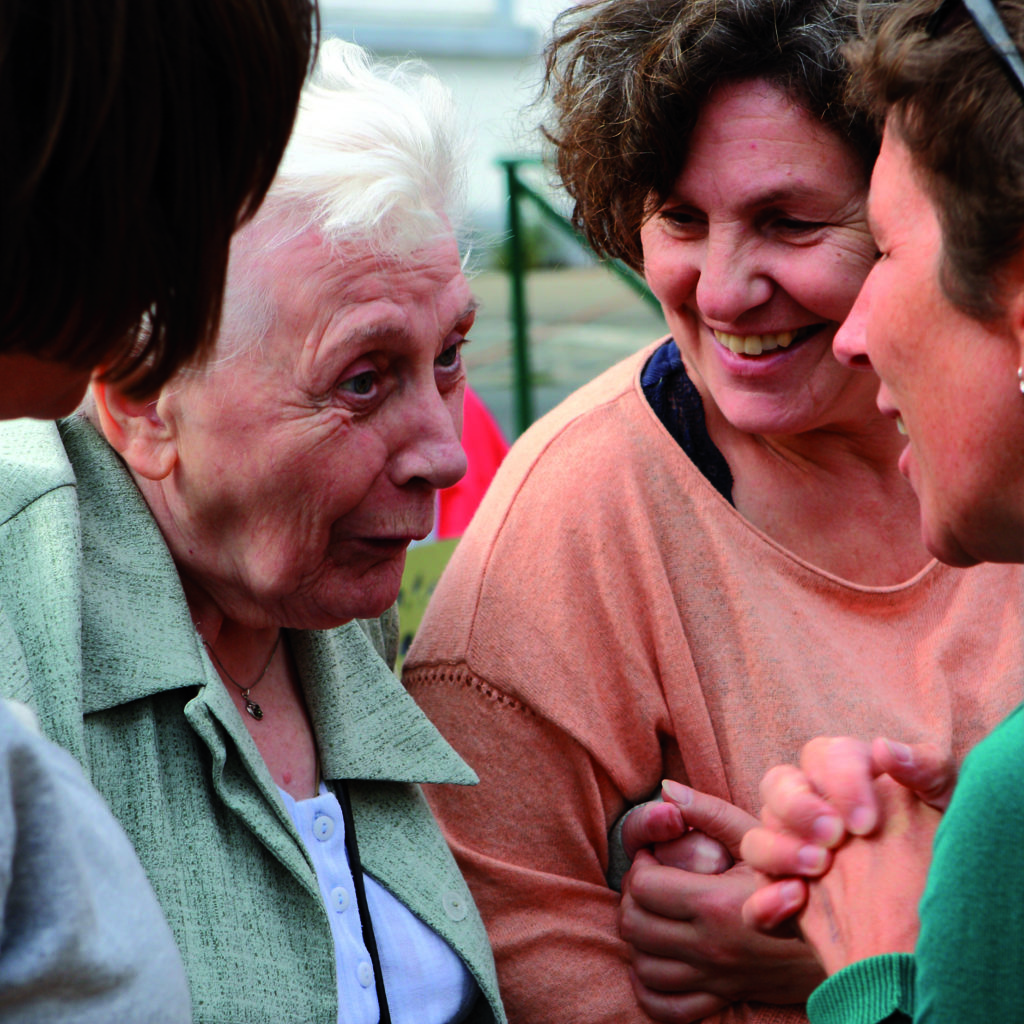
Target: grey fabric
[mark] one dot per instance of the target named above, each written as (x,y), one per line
(82,938)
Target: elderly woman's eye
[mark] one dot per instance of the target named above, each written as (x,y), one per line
(360,384)
(450,356)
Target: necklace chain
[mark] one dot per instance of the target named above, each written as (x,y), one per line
(250,705)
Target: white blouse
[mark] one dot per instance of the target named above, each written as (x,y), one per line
(425,981)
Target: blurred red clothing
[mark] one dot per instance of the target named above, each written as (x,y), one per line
(485,447)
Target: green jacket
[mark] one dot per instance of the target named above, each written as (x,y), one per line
(96,636)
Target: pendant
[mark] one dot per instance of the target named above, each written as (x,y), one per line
(252,707)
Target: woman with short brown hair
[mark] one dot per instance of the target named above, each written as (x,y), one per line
(940,321)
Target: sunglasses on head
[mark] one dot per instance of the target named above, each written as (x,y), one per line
(990,25)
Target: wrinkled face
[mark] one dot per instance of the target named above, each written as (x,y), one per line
(951,381)
(305,467)
(41,388)
(757,256)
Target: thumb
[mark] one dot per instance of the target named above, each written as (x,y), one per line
(650,823)
(714,817)
(921,767)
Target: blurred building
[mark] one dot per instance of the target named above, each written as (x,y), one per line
(488,52)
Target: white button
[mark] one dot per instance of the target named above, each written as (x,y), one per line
(454,904)
(340,898)
(364,972)
(323,827)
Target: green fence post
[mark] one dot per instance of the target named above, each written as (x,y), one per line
(517,304)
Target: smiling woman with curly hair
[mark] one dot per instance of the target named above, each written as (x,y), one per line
(709,554)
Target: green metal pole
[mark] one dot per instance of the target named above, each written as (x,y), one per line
(517,305)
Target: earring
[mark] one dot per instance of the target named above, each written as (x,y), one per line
(1020,378)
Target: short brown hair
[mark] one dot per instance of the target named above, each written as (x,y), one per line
(953,106)
(136,135)
(627,79)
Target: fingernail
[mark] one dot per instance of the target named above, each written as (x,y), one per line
(811,859)
(792,892)
(900,751)
(861,821)
(676,792)
(827,830)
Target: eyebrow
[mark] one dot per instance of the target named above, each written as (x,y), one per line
(789,193)
(472,306)
(373,332)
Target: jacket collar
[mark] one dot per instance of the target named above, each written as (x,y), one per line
(139,640)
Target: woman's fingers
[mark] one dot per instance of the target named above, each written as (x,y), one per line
(782,854)
(695,852)
(842,770)
(775,904)
(719,819)
(651,823)
(922,767)
(675,1007)
(792,803)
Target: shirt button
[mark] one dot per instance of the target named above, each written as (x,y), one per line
(323,827)
(364,972)
(454,904)
(340,898)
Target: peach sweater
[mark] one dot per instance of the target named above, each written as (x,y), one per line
(609,620)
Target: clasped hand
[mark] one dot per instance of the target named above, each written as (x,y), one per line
(845,842)
(681,913)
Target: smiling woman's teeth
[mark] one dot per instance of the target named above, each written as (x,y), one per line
(754,344)
(900,426)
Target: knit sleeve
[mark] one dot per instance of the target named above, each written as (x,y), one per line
(970,953)
(873,991)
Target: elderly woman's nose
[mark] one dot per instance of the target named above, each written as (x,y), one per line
(433,448)
(732,280)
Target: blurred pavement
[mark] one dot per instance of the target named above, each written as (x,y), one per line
(582,320)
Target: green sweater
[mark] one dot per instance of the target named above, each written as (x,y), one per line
(968,966)
(95,635)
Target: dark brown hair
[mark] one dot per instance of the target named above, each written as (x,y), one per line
(951,103)
(136,135)
(627,79)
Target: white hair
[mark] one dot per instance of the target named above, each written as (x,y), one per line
(376,152)
(376,161)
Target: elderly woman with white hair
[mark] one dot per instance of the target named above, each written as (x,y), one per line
(200,582)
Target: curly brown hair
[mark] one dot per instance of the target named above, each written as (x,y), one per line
(950,101)
(627,79)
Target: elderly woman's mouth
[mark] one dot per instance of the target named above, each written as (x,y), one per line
(758,344)
(392,543)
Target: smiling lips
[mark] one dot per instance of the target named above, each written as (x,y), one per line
(757,344)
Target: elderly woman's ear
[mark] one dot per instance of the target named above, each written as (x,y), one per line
(137,430)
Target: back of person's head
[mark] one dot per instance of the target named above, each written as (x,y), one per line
(375,163)
(952,103)
(136,136)
(628,78)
